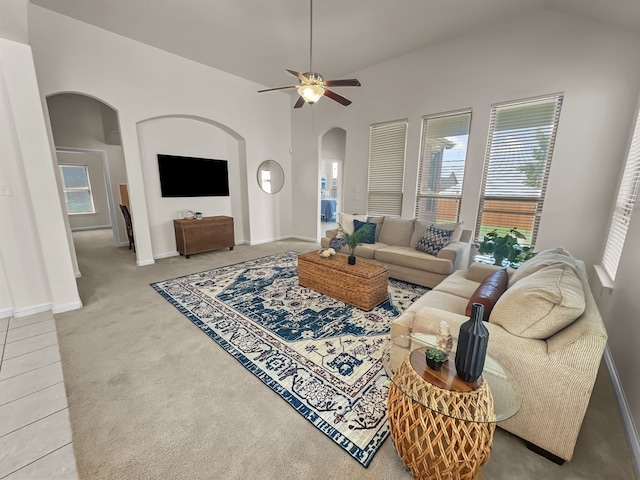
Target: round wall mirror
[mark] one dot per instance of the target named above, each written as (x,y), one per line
(270,176)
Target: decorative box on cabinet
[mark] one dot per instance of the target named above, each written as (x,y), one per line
(203,235)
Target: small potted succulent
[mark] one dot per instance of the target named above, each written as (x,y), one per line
(435,358)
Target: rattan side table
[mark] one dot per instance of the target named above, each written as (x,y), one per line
(442,426)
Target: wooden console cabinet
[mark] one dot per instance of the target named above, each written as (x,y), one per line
(204,235)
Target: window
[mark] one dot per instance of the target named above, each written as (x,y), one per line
(77,190)
(387,146)
(441,171)
(517,163)
(627,195)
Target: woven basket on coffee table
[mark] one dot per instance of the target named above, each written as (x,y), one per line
(431,444)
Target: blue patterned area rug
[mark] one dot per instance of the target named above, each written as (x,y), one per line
(320,355)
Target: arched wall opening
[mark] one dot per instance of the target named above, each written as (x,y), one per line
(331,175)
(86,132)
(191,136)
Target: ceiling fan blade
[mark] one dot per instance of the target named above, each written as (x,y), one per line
(299,103)
(299,75)
(277,88)
(337,98)
(351,82)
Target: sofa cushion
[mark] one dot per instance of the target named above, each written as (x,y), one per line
(541,304)
(555,256)
(366,250)
(411,258)
(433,240)
(457,284)
(346,222)
(370,237)
(489,292)
(421,227)
(441,301)
(396,231)
(378,221)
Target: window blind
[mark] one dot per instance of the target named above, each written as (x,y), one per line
(627,195)
(443,155)
(517,164)
(387,148)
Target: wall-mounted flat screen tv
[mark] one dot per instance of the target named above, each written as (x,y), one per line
(193,177)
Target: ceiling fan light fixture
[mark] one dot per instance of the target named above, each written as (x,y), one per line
(311,93)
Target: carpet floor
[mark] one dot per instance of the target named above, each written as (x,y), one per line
(321,355)
(149,399)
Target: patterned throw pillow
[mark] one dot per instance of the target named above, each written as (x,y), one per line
(433,240)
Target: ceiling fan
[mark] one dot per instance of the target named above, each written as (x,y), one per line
(312,86)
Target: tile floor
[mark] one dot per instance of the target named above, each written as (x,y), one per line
(35,433)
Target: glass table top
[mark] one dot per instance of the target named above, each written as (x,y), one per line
(504,396)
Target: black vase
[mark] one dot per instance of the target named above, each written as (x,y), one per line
(351,260)
(472,345)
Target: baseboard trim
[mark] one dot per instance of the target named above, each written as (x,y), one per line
(305,239)
(77,274)
(32,310)
(266,240)
(166,255)
(627,419)
(65,307)
(85,229)
(144,263)
(7,312)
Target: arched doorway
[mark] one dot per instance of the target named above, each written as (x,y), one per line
(331,167)
(90,162)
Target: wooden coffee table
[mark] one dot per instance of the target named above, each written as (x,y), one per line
(363,285)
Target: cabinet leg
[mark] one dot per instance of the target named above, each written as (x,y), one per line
(186,256)
(230,248)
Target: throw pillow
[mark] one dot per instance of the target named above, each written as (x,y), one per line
(346,221)
(434,240)
(489,292)
(555,256)
(379,222)
(541,304)
(369,237)
(421,228)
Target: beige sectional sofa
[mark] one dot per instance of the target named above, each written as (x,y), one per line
(545,329)
(395,246)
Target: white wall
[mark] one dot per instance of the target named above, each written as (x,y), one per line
(142,83)
(621,311)
(544,53)
(36,262)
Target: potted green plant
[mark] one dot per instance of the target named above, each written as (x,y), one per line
(505,247)
(435,358)
(354,239)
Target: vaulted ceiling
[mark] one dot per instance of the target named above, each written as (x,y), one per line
(258,39)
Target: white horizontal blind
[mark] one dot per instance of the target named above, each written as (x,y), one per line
(387,148)
(443,156)
(625,203)
(517,164)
